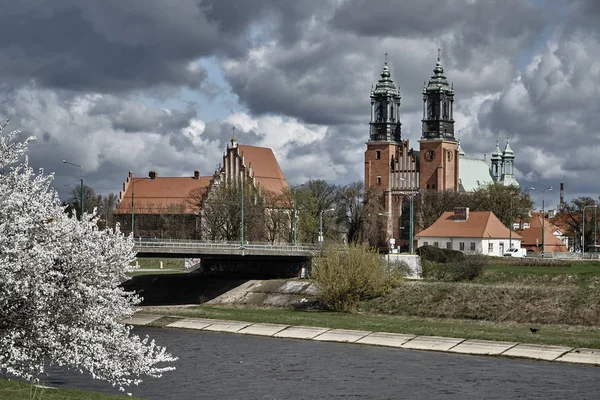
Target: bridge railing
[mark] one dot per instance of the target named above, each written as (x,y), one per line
(205,244)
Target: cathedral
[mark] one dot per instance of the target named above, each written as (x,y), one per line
(393,166)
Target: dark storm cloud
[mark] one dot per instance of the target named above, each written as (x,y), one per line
(415,18)
(115,45)
(323,78)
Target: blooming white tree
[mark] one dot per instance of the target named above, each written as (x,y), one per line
(60,299)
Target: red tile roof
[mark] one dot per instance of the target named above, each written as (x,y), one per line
(532,236)
(480,224)
(152,195)
(264,167)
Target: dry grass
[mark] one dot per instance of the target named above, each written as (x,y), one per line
(544,304)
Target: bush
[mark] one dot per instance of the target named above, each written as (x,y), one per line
(466,270)
(346,276)
(432,253)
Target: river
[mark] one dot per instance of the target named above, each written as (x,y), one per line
(233,366)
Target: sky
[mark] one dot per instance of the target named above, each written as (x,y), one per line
(139,85)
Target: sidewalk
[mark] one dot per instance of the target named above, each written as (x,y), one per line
(433,343)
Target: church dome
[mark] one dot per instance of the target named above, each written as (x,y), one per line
(438,81)
(497,154)
(385,85)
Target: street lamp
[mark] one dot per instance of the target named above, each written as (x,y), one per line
(583,229)
(242,235)
(543,218)
(321,223)
(81,170)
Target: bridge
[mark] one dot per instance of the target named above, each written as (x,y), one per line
(232,258)
(181,248)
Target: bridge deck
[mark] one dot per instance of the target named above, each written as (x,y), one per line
(207,248)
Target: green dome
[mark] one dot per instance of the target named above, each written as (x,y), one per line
(385,85)
(438,81)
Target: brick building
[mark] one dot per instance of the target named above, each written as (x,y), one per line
(393,166)
(172,206)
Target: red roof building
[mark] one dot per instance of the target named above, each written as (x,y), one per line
(532,235)
(476,232)
(182,196)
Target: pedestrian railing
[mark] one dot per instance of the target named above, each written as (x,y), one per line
(145,243)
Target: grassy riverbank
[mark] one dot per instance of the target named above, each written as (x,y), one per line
(560,299)
(552,334)
(18,390)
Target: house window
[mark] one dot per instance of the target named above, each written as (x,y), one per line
(378,154)
(379,180)
(449,245)
(425,243)
(472,246)
(462,246)
(436,244)
(491,248)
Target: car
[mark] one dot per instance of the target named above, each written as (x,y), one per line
(514,252)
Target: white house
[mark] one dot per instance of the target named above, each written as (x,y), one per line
(477,232)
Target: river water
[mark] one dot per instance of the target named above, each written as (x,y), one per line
(232,366)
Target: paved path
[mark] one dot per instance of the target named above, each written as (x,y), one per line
(433,343)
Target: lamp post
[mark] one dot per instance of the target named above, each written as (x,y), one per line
(81,180)
(242,235)
(321,223)
(510,228)
(583,229)
(543,219)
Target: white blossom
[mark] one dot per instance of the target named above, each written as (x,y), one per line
(60,299)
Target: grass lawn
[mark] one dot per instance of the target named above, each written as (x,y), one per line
(567,335)
(577,268)
(18,390)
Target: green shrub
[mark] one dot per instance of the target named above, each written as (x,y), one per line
(436,254)
(466,270)
(346,276)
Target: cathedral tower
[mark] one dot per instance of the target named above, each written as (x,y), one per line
(438,156)
(385,131)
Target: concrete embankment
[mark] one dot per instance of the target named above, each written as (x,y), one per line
(269,293)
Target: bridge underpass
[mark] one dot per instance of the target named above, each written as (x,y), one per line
(223,266)
(231,258)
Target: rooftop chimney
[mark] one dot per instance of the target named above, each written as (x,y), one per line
(196,174)
(562,193)
(152,174)
(461,213)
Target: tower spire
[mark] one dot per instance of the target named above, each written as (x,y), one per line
(233,139)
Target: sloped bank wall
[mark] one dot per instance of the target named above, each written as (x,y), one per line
(269,293)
